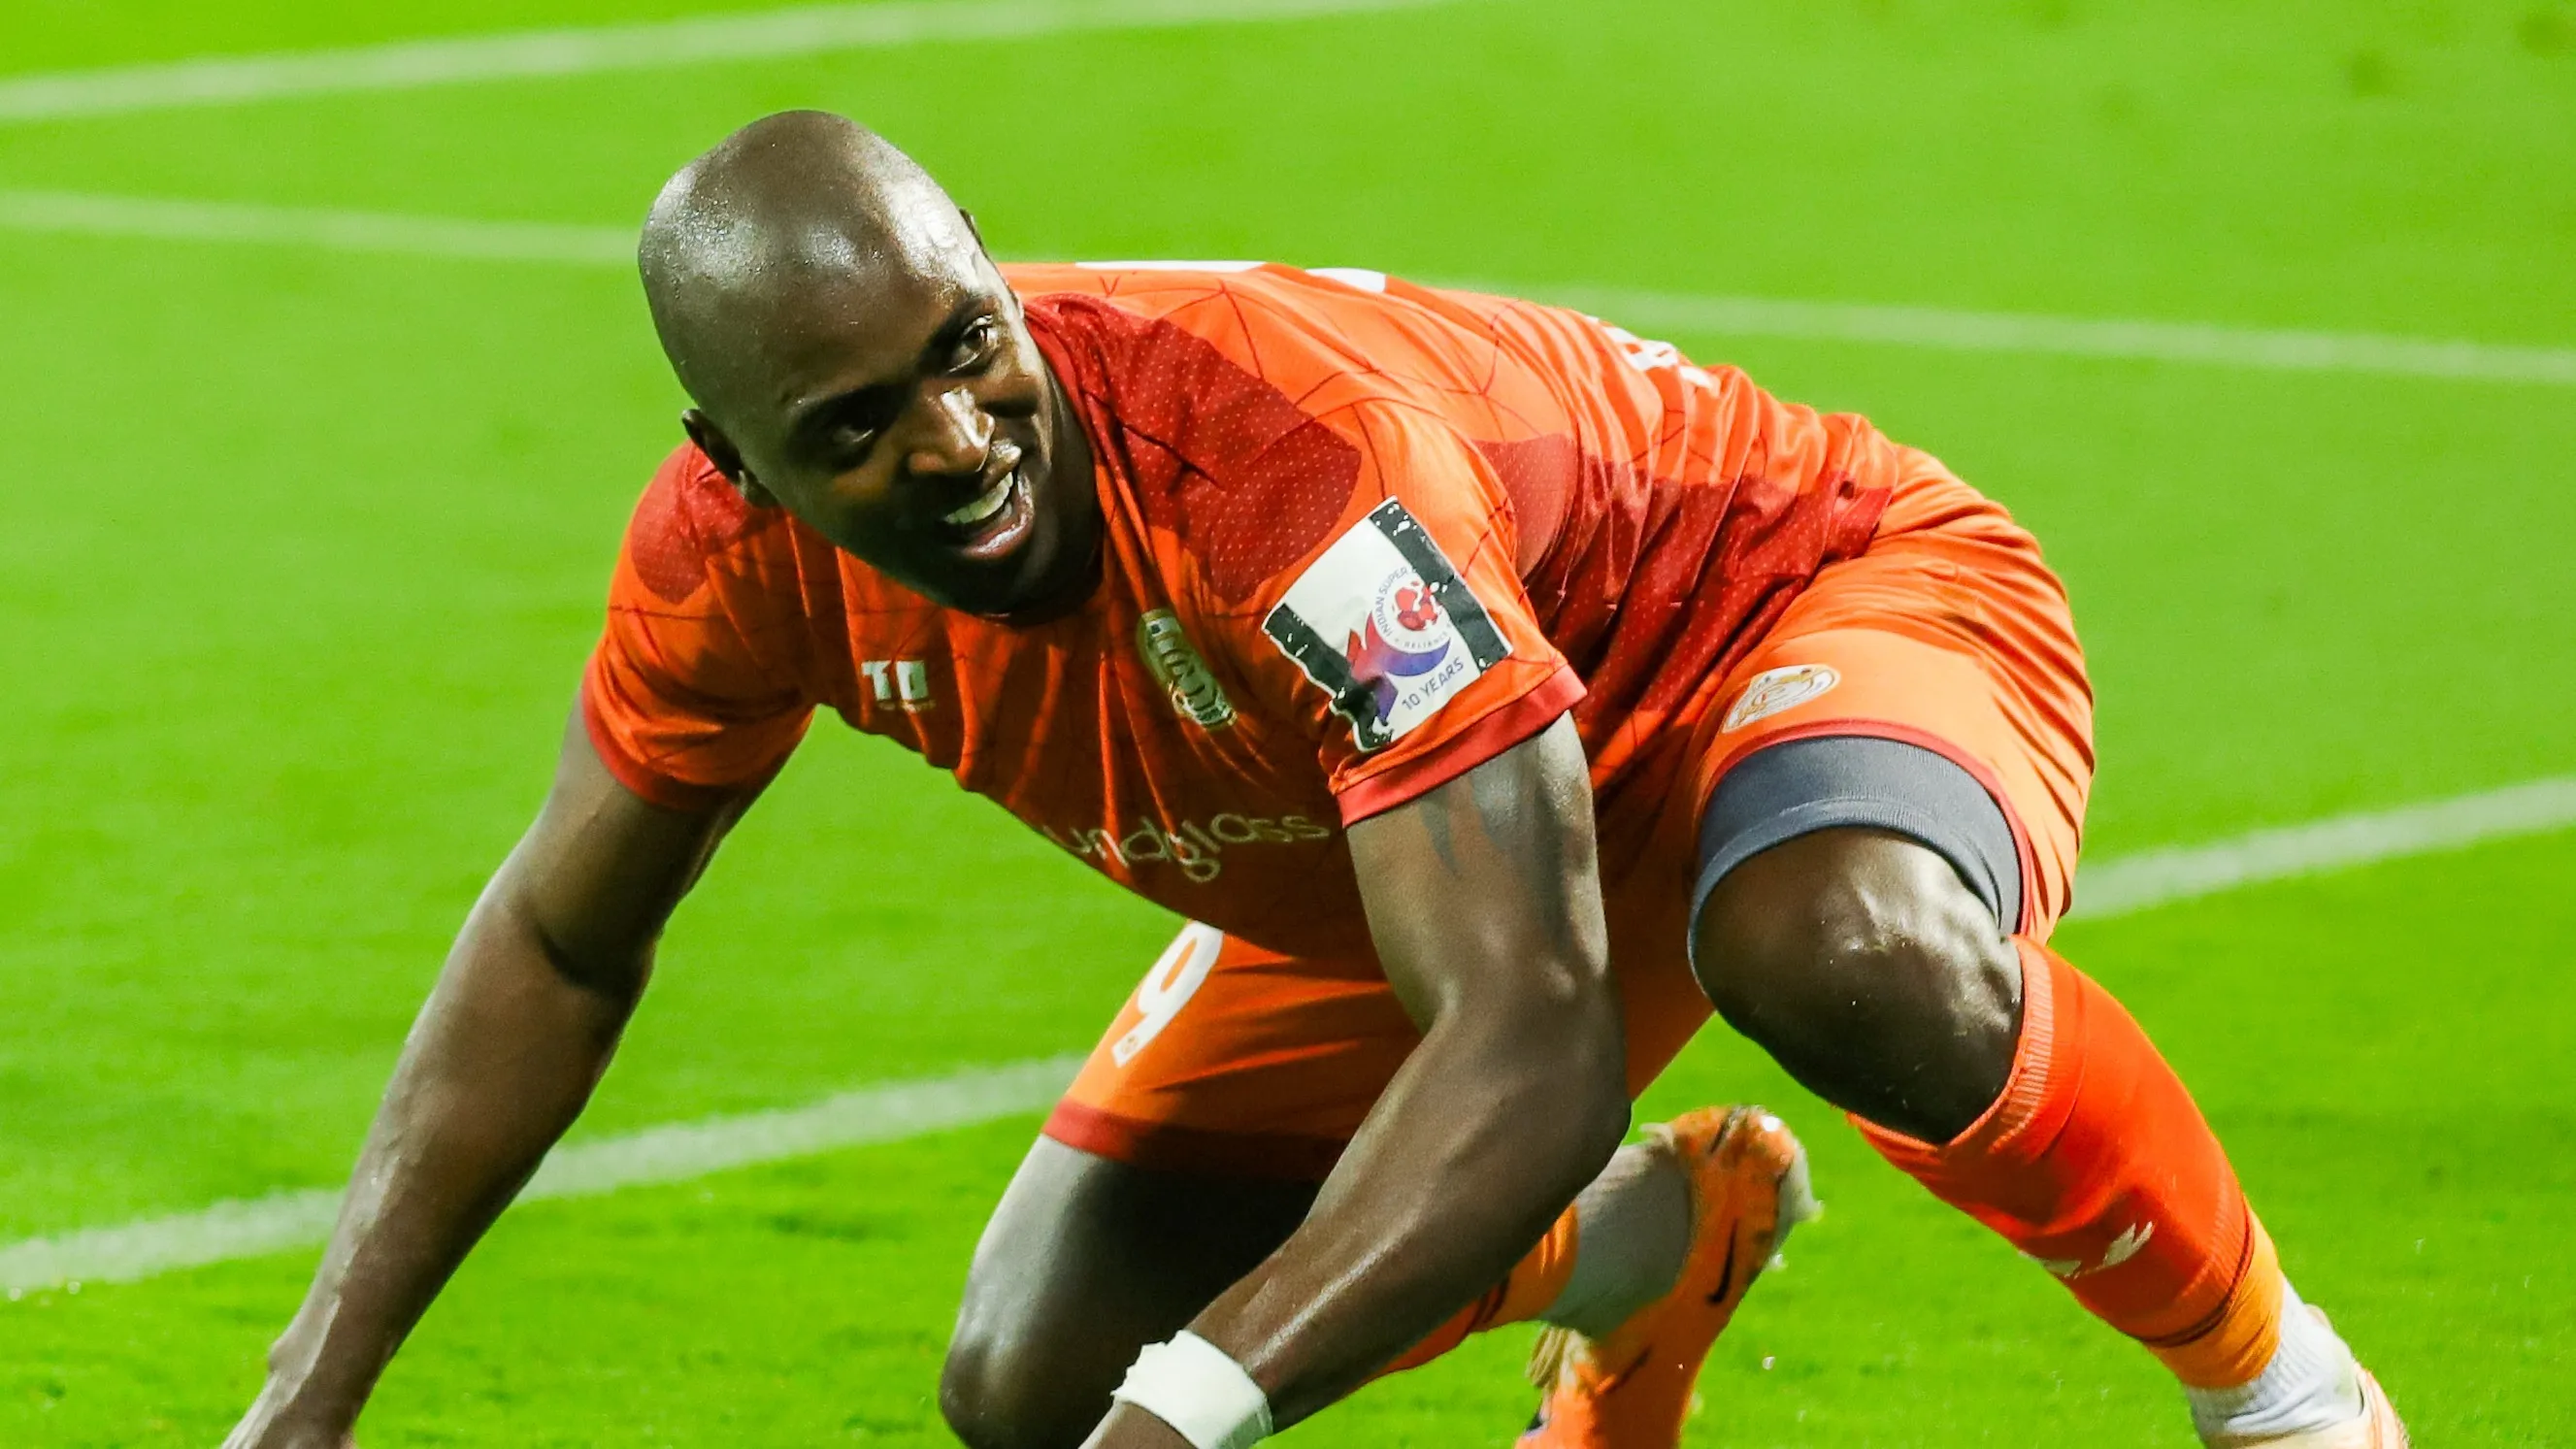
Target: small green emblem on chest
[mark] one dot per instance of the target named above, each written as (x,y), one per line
(1184,676)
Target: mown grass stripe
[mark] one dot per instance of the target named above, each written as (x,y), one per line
(890,1112)
(651,45)
(674,1152)
(1935,328)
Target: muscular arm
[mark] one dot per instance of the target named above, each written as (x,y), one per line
(516,1033)
(1485,905)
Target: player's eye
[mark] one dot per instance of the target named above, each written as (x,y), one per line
(850,441)
(976,344)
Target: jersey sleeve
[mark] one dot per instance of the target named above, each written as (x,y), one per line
(682,705)
(1406,645)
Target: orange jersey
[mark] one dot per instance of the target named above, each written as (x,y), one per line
(1360,537)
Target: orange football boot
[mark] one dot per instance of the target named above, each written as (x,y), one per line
(1632,1389)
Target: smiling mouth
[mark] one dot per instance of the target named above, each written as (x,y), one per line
(994,523)
(981,508)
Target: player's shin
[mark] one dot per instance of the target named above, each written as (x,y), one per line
(2097,1165)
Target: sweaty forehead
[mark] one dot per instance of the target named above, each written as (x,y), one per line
(853,329)
(841,229)
(829,301)
(916,228)
(835,245)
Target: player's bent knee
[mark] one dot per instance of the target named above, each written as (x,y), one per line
(999,1395)
(1086,1260)
(1804,926)
(1864,964)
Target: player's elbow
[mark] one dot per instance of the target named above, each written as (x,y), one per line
(1582,1015)
(1572,1043)
(1600,1106)
(611,966)
(1594,1113)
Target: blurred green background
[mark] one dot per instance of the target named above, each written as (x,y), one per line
(303,550)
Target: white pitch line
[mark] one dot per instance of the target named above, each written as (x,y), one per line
(2132,883)
(456,238)
(682,1151)
(2191,343)
(674,1152)
(2206,343)
(652,45)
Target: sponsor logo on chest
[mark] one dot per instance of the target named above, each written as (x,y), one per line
(1382,622)
(1196,846)
(1184,676)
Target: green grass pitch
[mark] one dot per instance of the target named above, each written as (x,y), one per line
(300,554)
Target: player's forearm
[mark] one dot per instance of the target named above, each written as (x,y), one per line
(502,1059)
(1490,1130)
(1485,907)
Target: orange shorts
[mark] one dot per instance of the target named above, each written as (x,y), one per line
(1949,634)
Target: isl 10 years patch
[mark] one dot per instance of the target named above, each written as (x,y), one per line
(1382,623)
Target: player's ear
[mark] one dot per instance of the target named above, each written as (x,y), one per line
(720,451)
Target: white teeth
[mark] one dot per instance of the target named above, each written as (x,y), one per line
(988,504)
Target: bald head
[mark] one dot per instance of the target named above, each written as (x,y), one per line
(794,219)
(859,361)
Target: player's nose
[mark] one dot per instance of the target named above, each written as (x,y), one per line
(956,434)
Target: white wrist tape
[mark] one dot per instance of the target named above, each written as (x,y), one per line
(1206,1397)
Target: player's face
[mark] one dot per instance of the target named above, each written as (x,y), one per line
(915,424)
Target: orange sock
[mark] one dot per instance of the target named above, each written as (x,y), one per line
(1524,1294)
(2096,1163)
